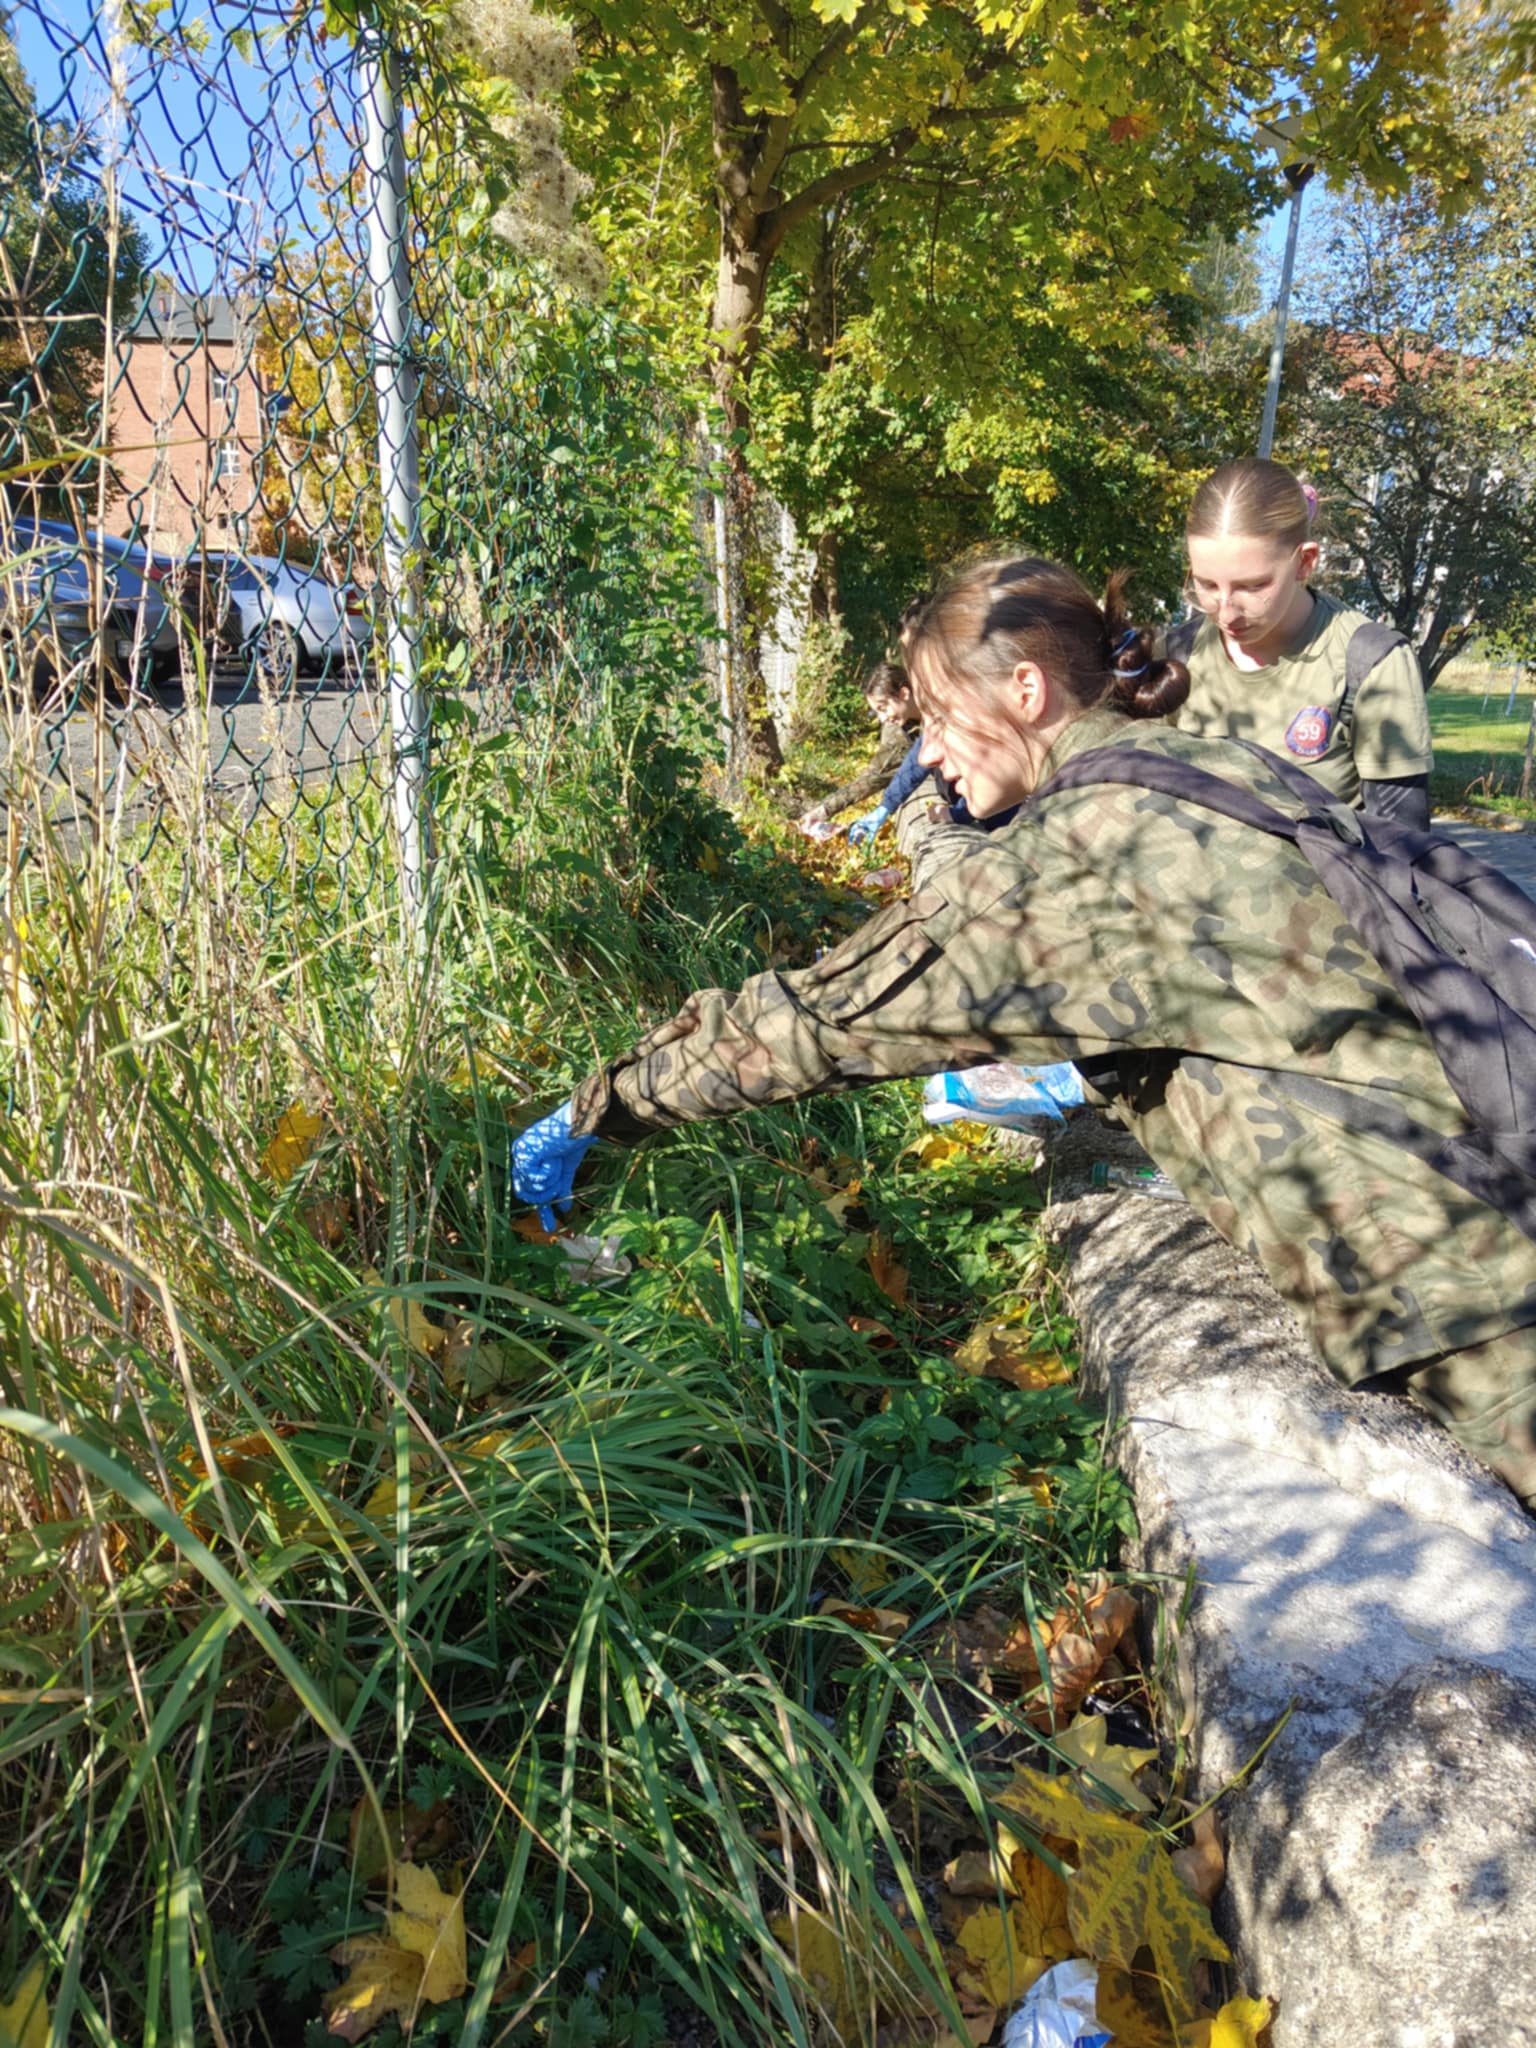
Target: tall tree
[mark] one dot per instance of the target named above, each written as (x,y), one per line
(64,264)
(1418,383)
(1100,138)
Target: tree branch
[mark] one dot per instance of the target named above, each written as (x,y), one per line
(779,22)
(832,184)
(802,87)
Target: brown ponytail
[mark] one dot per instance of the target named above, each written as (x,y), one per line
(992,615)
(1138,686)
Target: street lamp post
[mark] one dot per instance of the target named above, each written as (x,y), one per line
(1284,138)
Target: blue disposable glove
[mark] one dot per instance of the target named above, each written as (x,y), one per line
(544,1162)
(867,826)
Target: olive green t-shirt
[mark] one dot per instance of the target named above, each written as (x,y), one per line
(1292,705)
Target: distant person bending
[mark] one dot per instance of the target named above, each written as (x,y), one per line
(891,703)
(1272,660)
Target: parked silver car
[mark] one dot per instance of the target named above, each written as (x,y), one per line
(67,593)
(287,619)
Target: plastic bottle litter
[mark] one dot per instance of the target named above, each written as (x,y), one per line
(824,830)
(1059,2011)
(883,878)
(597,1259)
(1002,1094)
(1141,1180)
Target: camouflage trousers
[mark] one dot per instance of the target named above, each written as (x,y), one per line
(1486,1397)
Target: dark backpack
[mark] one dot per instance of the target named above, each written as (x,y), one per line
(1456,938)
(1369,646)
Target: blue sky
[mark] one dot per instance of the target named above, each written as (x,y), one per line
(218,149)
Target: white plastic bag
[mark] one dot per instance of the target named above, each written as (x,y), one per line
(1059,2011)
(1002,1094)
(597,1259)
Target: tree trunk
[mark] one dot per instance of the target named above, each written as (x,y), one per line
(827,583)
(740,289)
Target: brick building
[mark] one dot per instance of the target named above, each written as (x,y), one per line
(187,421)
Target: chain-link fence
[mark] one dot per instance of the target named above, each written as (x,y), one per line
(273,474)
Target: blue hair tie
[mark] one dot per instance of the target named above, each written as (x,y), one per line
(1127,639)
(1132,672)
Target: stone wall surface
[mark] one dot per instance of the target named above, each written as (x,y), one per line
(1353,1565)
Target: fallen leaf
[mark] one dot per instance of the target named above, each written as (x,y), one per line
(1240,2023)
(292,1143)
(1040,1910)
(979,1874)
(517,1972)
(25,2021)
(531,1229)
(864,1570)
(1086,1743)
(409,1832)
(475,1365)
(1124,1893)
(1202,1863)
(848,1985)
(885,1624)
(382,1502)
(838,1205)
(411,1319)
(429,1922)
(383,1981)
(996,1968)
(938,1150)
(328,1220)
(879,1334)
(1130,2006)
(1002,1351)
(890,1276)
(1079,1636)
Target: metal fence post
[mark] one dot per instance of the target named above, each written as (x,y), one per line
(1296,176)
(395,383)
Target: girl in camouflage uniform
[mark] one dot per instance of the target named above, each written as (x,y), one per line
(1269,659)
(1193,957)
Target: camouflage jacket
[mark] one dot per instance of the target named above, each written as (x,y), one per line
(895,740)
(1197,954)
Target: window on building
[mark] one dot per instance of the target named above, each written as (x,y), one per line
(226,461)
(226,397)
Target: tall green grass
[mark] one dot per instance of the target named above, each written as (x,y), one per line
(263,1561)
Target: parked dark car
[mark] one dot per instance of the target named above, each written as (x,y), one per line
(68,595)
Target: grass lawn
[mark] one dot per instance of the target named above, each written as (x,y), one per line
(1477,748)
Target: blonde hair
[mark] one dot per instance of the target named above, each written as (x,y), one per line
(1254,498)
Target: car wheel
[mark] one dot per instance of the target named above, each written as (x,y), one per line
(274,656)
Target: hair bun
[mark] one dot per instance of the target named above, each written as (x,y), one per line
(1140,686)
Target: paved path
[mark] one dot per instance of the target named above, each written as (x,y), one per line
(258,753)
(1514,852)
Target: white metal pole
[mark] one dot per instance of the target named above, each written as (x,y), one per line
(395,384)
(723,613)
(1296,176)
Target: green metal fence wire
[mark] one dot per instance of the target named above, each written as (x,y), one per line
(252,504)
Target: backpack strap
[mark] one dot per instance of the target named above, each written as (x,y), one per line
(1369,645)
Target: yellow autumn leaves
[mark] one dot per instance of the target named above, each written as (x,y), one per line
(419,1961)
